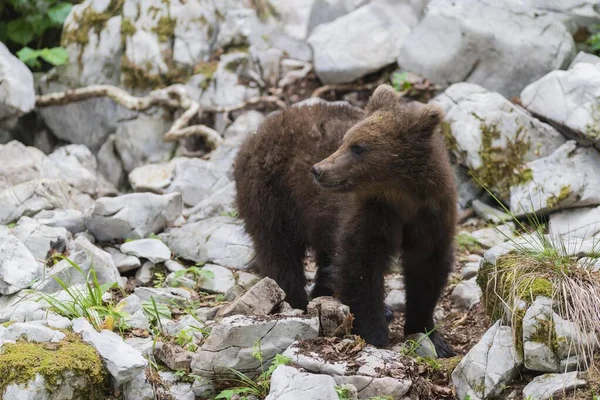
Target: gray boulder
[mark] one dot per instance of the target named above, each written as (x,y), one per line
(466,294)
(581,222)
(231,340)
(153,250)
(570,100)
(492,136)
(31,332)
(489,365)
(548,386)
(568,178)
(41,239)
(122,361)
(17,94)
(132,216)
(31,197)
(499,46)
(18,267)
(260,299)
(219,240)
(71,220)
(379,29)
(288,383)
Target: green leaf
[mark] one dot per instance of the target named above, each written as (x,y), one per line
(29,56)
(19,31)
(59,12)
(55,55)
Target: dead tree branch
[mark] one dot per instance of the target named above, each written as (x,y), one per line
(174,96)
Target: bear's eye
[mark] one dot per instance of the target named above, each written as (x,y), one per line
(356,149)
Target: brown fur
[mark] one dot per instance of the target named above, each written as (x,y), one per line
(357,210)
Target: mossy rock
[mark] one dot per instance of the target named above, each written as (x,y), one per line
(68,365)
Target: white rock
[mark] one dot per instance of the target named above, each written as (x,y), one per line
(196,179)
(144,274)
(140,141)
(568,98)
(153,250)
(123,262)
(370,388)
(109,163)
(569,177)
(34,196)
(78,167)
(220,240)
(584,58)
(87,256)
(168,296)
(260,299)
(31,332)
(71,220)
(581,222)
(23,163)
(466,294)
(38,389)
(41,239)
(132,216)
(18,267)
(288,383)
(549,385)
(244,125)
(123,362)
(475,115)
(489,213)
(379,29)
(470,269)
(220,202)
(17,94)
(230,342)
(499,46)
(537,337)
(489,365)
(152,177)
(493,236)
(220,279)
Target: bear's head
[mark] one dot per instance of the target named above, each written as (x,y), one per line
(384,148)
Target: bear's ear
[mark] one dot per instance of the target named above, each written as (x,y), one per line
(383,98)
(428,119)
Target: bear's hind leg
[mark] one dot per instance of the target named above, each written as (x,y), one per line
(323,284)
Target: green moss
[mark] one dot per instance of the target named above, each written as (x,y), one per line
(207,69)
(592,129)
(502,167)
(553,201)
(449,138)
(530,289)
(467,242)
(135,76)
(545,333)
(165,28)
(20,362)
(127,28)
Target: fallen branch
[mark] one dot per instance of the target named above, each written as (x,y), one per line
(174,96)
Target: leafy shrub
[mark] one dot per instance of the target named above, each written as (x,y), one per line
(31,29)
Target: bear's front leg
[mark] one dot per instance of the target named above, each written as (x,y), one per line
(363,255)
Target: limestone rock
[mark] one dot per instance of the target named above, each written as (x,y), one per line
(34,196)
(331,313)
(547,386)
(153,250)
(581,222)
(71,220)
(492,136)
(17,94)
(260,299)
(230,342)
(18,268)
(569,177)
(123,362)
(500,46)
(568,99)
(466,294)
(489,365)
(132,216)
(219,240)
(288,383)
(41,239)
(379,29)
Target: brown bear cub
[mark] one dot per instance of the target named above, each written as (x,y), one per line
(358,188)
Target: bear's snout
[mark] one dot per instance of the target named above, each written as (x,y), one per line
(316,171)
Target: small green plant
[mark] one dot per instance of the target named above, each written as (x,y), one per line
(197,270)
(155,312)
(400,82)
(87,303)
(594,41)
(343,393)
(249,387)
(232,214)
(34,28)
(467,242)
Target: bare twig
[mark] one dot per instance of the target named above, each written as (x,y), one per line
(174,96)
(345,88)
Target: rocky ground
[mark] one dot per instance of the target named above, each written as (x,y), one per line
(124,268)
